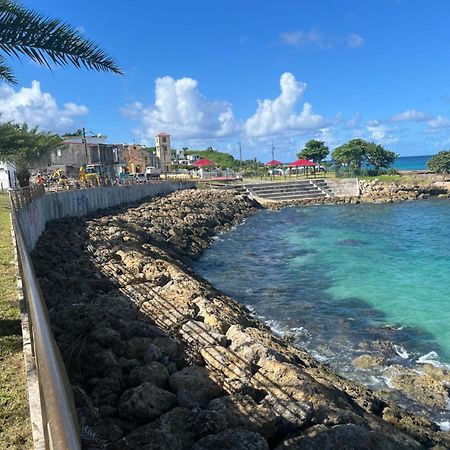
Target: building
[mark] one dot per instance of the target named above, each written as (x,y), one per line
(8,178)
(163,151)
(76,152)
(137,158)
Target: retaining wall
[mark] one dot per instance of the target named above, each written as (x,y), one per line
(344,187)
(56,205)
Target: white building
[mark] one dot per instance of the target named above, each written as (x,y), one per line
(8,178)
(163,151)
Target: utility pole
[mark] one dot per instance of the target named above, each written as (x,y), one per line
(273,159)
(240,153)
(85,145)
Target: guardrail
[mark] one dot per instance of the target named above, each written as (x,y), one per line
(26,195)
(59,420)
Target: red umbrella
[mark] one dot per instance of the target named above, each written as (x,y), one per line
(274,162)
(204,162)
(302,163)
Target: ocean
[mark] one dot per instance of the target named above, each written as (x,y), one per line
(341,278)
(412,162)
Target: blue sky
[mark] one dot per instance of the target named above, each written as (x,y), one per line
(213,73)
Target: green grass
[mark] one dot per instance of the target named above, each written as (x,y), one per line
(401,179)
(15,431)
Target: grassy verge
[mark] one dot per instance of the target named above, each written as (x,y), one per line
(15,432)
(404,179)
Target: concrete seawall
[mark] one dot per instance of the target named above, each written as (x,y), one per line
(77,203)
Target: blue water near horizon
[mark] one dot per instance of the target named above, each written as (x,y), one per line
(412,162)
(340,278)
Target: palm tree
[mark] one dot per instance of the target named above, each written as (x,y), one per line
(45,41)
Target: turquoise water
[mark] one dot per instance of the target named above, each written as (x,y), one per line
(343,279)
(411,162)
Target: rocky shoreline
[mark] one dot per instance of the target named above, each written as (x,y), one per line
(376,191)
(159,359)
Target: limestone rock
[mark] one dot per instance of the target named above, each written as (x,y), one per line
(145,402)
(241,411)
(235,439)
(419,386)
(153,372)
(368,362)
(344,437)
(194,387)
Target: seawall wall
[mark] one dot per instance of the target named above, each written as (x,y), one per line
(77,203)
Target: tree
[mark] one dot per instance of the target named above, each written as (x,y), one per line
(315,150)
(440,162)
(351,154)
(378,157)
(45,41)
(25,147)
(76,133)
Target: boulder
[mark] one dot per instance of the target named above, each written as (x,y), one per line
(235,439)
(145,402)
(153,372)
(367,362)
(241,411)
(194,387)
(345,437)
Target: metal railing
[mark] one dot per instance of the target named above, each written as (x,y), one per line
(60,424)
(26,195)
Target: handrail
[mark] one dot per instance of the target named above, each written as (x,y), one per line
(58,411)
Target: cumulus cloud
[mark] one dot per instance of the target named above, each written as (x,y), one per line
(278,115)
(410,115)
(181,108)
(35,107)
(379,132)
(438,122)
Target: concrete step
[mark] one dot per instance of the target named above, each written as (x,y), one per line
(287,183)
(297,194)
(295,197)
(283,187)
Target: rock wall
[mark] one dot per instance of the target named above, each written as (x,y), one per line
(159,359)
(377,191)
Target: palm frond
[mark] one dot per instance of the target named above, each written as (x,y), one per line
(45,40)
(6,73)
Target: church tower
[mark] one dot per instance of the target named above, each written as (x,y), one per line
(163,151)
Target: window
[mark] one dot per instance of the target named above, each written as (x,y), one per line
(58,152)
(164,139)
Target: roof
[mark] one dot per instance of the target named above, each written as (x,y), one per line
(163,133)
(302,163)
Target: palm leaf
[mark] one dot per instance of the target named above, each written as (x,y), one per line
(6,73)
(46,41)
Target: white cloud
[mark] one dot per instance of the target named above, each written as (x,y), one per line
(35,107)
(355,41)
(438,122)
(410,115)
(181,109)
(315,38)
(354,122)
(299,38)
(278,115)
(379,132)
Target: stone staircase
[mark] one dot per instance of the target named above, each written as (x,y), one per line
(290,190)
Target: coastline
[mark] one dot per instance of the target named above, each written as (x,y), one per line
(138,327)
